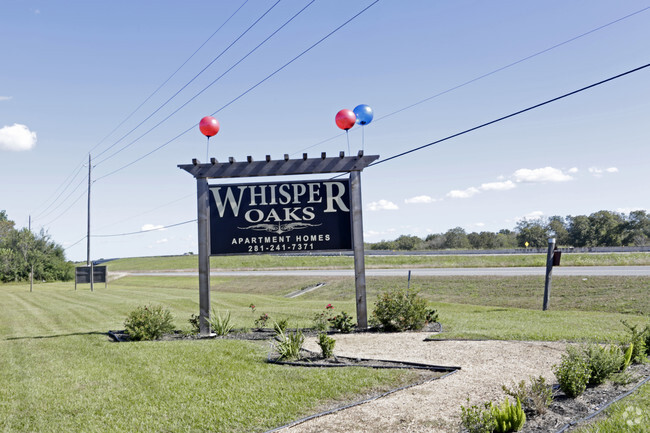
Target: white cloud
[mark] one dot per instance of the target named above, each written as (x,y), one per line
(546,174)
(17,138)
(534,215)
(162,241)
(420,199)
(5,98)
(498,186)
(382,205)
(573,170)
(464,193)
(151,227)
(598,172)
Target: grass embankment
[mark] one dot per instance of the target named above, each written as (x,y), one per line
(398,261)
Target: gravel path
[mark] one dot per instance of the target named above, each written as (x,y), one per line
(434,406)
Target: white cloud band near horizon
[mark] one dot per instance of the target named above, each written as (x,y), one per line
(522,175)
(17,138)
(420,199)
(382,205)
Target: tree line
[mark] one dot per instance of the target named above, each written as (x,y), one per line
(22,250)
(600,229)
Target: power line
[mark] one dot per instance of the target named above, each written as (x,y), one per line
(144,231)
(66,209)
(244,93)
(487,74)
(443,139)
(179,91)
(511,115)
(169,78)
(64,200)
(67,182)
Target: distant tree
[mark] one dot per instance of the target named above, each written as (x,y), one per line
(580,231)
(607,228)
(455,239)
(507,238)
(534,231)
(383,245)
(22,250)
(433,241)
(557,226)
(637,228)
(483,240)
(408,243)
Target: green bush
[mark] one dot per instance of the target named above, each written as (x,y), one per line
(326,345)
(342,322)
(400,310)
(508,418)
(280,326)
(603,362)
(572,373)
(535,397)
(637,339)
(289,345)
(194,324)
(148,323)
(476,419)
(627,357)
(220,325)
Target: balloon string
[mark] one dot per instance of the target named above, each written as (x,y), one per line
(347,135)
(207,151)
(363,138)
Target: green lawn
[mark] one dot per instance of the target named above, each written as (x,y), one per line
(59,371)
(397,261)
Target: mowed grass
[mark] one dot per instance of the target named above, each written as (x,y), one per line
(581,309)
(60,372)
(397,261)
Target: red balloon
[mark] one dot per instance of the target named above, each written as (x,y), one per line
(345,119)
(209,126)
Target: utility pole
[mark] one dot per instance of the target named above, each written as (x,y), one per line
(88,263)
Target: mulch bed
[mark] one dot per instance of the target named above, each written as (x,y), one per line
(565,410)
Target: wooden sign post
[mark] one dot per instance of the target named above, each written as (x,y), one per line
(280,216)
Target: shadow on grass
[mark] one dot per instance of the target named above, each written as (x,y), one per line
(38,337)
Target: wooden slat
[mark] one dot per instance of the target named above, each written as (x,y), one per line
(278,167)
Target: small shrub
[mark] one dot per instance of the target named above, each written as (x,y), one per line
(572,373)
(289,345)
(535,397)
(220,325)
(148,323)
(646,339)
(540,395)
(326,345)
(281,326)
(260,322)
(432,316)
(477,419)
(508,418)
(400,310)
(602,362)
(637,339)
(627,357)
(194,323)
(342,322)
(322,319)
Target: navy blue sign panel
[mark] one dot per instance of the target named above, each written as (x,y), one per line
(280,217)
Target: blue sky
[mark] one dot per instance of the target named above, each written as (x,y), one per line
(72,71)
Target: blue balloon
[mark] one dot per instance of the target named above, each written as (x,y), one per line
(363,113)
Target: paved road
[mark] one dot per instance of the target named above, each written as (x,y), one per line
(593,271)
